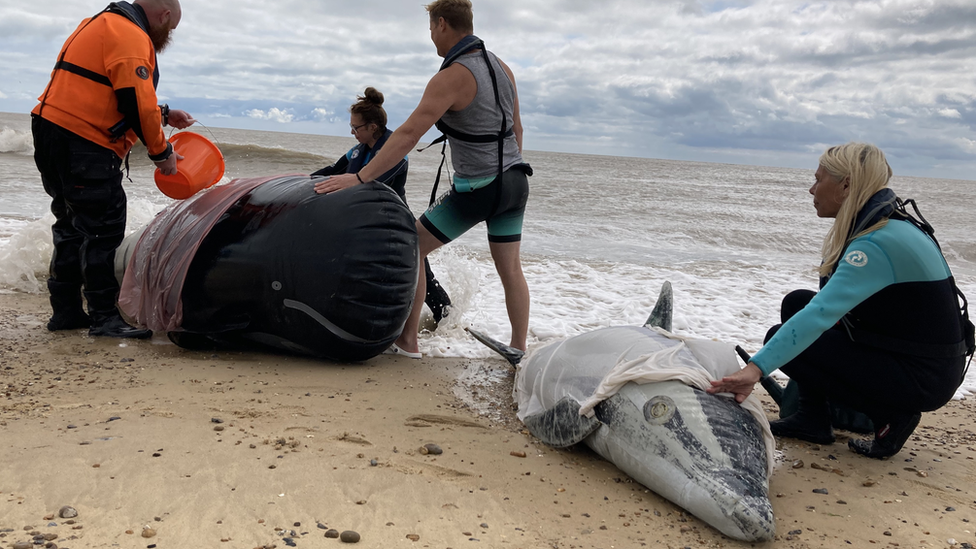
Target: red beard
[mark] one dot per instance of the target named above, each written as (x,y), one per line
(160,37)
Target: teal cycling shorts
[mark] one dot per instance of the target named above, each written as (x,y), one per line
(501,205)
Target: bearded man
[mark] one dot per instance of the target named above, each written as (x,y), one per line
(100,99)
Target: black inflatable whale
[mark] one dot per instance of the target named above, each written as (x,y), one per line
(268,261)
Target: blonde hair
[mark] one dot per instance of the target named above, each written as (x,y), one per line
(456,13)
(868,172)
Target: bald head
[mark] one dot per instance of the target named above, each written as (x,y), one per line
(162,12)
(164,16)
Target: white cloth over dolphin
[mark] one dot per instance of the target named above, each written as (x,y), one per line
(648,355)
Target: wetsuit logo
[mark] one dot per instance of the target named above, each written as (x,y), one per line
(142,72)
(355,153)
(857,258)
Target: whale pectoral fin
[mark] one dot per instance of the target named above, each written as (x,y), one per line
(511,354)
(562,425)
(663,309)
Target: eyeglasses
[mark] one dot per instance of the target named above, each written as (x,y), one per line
(356,128)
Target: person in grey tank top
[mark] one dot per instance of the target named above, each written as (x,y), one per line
(474,101)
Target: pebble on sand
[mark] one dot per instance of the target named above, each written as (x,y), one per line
(432,449)
(148,532)
(349,536)
(332,533)
(67,512)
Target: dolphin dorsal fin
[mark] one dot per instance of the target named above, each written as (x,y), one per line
(663,309)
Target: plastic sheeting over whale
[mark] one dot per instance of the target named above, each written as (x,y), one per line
(635,395)
(268,260)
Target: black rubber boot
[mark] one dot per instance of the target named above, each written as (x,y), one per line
(106,320)
(889,439)
(66,304)
(69,321)
(114,326)
(436,298)
(811,423)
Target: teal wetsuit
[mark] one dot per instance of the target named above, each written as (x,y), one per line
(871,338)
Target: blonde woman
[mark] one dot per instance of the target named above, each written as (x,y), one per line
(885,335)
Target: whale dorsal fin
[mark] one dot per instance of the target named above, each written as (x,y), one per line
(663,309)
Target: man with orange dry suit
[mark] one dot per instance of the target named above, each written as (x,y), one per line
(100,99)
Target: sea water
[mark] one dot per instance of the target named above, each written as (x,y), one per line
(601,235)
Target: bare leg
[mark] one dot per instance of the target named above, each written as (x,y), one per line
(408,338)
(509,267)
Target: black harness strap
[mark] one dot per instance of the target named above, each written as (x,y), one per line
(503,133)
(61,60)
(82,71)
(470,138)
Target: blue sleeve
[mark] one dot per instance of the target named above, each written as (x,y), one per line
(337,168)
(864,270)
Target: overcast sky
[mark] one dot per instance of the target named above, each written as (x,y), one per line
(766,82)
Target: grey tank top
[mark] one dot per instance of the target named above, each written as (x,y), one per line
(472,160)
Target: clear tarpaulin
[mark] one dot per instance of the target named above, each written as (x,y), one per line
(592,367)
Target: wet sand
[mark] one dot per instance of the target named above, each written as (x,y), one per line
(246,450)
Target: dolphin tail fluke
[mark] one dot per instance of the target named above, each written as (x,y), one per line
(663,309)
(511,354)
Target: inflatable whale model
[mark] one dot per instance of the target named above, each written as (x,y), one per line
(269,261)
(635,395)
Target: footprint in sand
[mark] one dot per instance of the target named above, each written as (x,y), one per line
(429,420)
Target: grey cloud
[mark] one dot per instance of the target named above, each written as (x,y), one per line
(762,81)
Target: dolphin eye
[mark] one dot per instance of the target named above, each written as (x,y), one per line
(659,409)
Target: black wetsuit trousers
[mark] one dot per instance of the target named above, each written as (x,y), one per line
(84,181)
(867,379)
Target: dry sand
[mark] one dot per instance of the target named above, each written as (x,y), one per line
(127,433)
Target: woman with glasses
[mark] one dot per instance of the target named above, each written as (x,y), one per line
(367,122)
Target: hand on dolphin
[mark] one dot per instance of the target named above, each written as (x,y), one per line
(336,183)
(739,384)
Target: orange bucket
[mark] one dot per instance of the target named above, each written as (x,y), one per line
(202,166)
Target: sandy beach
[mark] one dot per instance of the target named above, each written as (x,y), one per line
(251,450)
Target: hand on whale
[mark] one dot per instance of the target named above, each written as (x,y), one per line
(336,183)
(739,384)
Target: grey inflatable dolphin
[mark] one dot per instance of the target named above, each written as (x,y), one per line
(634,395)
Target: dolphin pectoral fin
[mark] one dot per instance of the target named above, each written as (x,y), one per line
(663,309)
(562,425)
(774,389)
(511,354)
